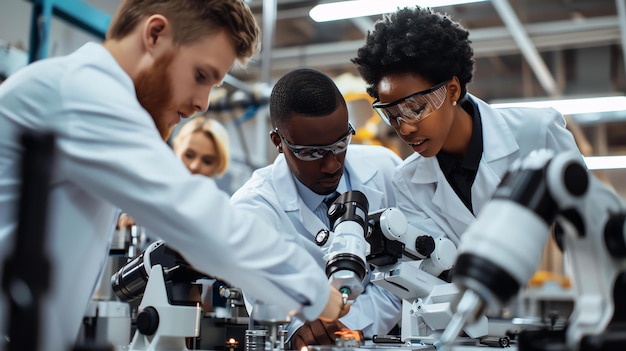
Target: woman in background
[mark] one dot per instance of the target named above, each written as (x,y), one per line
(202,145)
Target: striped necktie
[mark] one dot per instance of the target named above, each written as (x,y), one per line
(322,210)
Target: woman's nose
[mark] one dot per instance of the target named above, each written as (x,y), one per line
(194,166)
(405,128)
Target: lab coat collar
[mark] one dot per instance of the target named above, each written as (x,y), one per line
(360,171)
(285,185)
(498,139)
(312,199)
(498,144)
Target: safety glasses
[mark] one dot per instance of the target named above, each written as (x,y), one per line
(413,108)
(312,153)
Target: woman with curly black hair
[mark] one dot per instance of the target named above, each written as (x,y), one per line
(417,64)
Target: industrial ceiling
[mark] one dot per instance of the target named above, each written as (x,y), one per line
(523,48)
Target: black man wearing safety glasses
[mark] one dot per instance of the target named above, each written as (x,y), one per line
(316,162)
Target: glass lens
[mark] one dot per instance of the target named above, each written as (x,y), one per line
(312,153)
(315,153)
(413,108)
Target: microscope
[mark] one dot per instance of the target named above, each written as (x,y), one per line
(501,250)
(414,266)
(345,256)
(169,312)
(344,249)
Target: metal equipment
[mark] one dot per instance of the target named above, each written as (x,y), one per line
(502,248)
(225,320)
(170,310)
(272,319)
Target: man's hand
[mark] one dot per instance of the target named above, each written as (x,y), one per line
(334,307)
(315,333)
(124,221)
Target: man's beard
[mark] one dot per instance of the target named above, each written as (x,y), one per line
(154,92)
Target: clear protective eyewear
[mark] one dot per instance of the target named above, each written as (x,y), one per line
(312,153)
(413,108)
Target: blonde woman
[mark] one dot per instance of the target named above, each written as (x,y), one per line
(202,144)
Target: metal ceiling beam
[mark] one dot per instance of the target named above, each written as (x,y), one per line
(77,13)
(621,14)
(267,39)
(486,42)
(528,49)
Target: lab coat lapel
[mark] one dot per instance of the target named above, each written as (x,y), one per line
(499,151)
(456,215)
(448,211)
(289,200)
(285,185)
(361,178)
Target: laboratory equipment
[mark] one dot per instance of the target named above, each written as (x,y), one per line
(501,250)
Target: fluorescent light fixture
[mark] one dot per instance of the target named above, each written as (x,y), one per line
(333,11)
(605,162)
(574,106)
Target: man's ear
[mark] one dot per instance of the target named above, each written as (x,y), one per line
(275,138)
(156,28)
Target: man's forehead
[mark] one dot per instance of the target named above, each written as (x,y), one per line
(315,130)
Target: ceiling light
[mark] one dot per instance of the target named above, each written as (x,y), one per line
(573,106)
(360,8)
(605,162)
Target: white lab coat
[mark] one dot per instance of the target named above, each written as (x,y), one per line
(428,200)
(272,192)
(110,155)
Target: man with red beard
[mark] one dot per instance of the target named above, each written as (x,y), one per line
(110,107)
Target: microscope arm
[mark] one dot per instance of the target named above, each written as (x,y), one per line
(393,239)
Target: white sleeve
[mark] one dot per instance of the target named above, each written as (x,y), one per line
(112,149)
(375,312)
(558,137)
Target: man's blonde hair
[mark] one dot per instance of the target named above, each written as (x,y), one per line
(193,19)
(213,130)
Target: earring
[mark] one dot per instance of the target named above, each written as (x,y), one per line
(279,147)
(453,103)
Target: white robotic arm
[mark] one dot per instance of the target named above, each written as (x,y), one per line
(501,250)
(409,261)
(412,265)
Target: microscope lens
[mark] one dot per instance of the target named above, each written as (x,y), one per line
(130,281)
